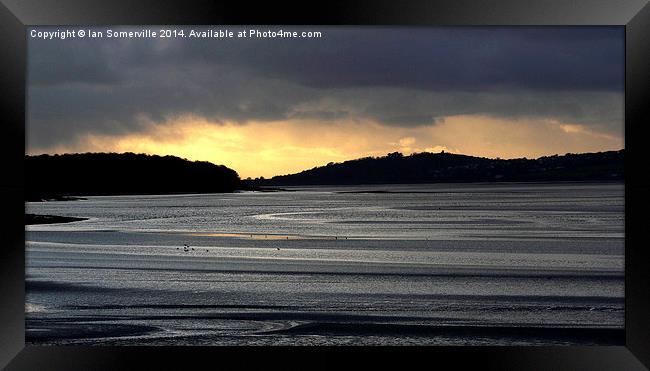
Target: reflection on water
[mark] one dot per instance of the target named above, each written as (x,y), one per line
(425,264)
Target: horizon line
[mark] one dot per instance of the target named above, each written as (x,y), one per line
(323,165)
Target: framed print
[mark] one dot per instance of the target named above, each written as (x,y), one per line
(427,180)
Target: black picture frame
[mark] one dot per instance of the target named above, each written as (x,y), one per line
(15,15)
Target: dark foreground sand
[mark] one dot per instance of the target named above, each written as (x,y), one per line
(31,219)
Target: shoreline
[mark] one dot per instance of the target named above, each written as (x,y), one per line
(35,219)
(478,182)
(292,188)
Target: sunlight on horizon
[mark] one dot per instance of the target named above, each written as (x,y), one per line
(284,147)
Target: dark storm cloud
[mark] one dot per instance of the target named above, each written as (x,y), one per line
(396,76)
(440,59)
(52,63)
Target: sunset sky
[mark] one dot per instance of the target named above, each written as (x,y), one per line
(268,107)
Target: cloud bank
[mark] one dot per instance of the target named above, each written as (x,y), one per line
(393,77)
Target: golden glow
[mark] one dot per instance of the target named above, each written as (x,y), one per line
(275,148)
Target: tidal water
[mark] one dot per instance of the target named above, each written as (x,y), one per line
(453,264)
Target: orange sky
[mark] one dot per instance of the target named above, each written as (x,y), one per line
(283,147)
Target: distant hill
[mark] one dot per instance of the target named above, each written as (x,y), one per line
(450,168)
(59,176)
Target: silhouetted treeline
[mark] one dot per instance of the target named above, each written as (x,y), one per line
(448,168)
(58,176)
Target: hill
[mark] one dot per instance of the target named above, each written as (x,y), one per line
(60,176)
(451,168)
